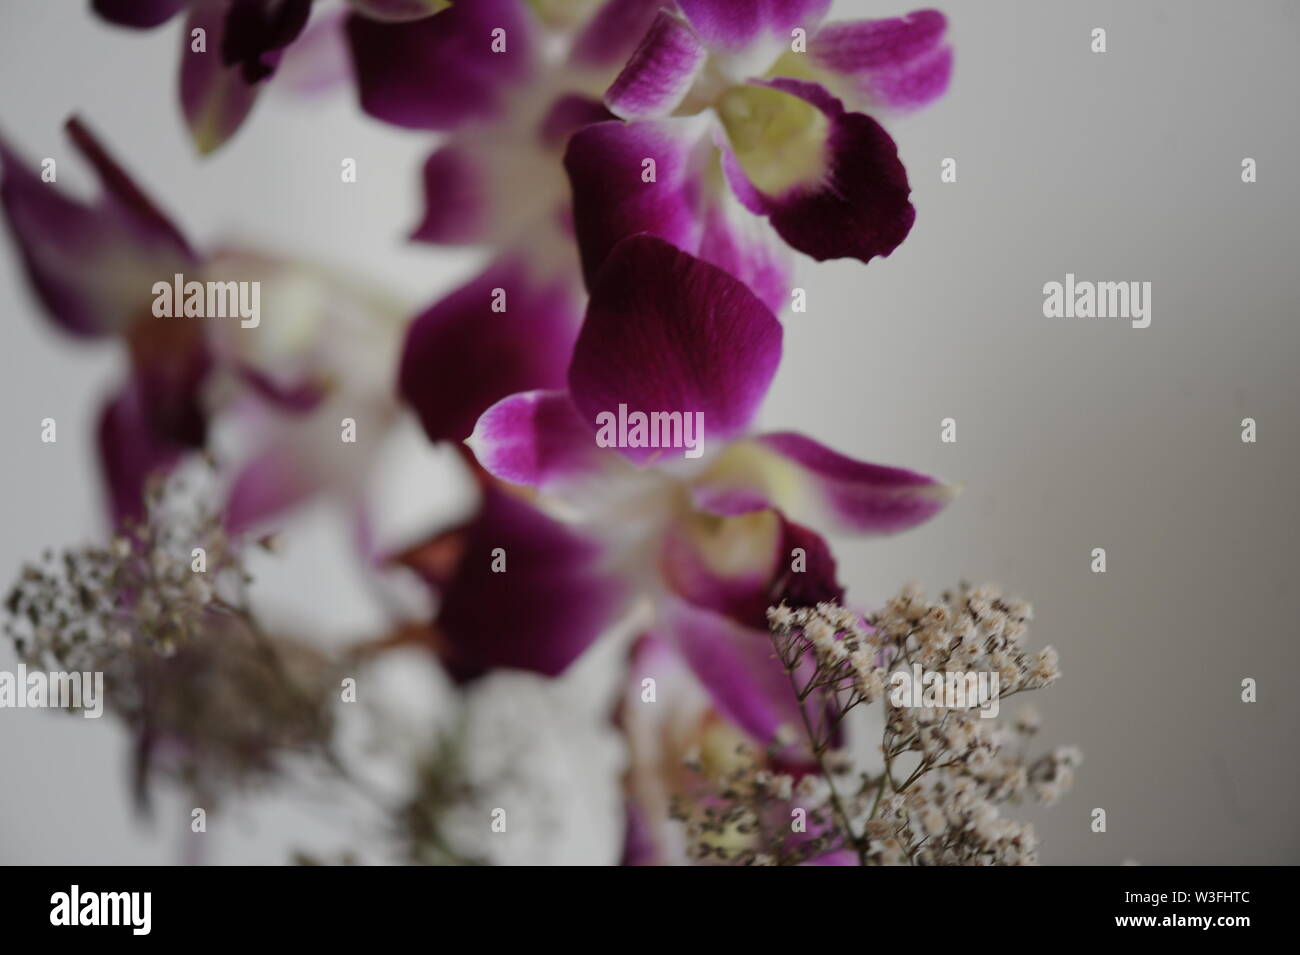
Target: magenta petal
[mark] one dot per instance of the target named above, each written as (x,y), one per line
(568,114)
(611,202)
(666,331)
(140,14)
(456,199)
(734,25)
(818,486)
(858,206)
(92,265)
(610,36)
(862,496)
(739,668)
(535,438)
(272,482)
(901,63)
(744,246)
(461,356)
(660,72)
(131,449)
(547,601)
(440,72)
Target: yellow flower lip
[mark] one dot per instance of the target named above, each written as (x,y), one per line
(778,138)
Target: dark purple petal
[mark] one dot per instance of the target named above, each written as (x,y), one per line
(611,202)
(216,97)
(901,63)
(809,578)
(738,666)
(818,486)
(440,72)
(92,265)
(660,72)
(255,31)
(131,450)
(535,438)
(570,113)
(854,205)
(666,331)
(140,14)
(461,356)
(734,25)
(457,199)
(610,36)
(551,601)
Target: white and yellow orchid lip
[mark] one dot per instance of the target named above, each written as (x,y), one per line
(779,139)
(828,180)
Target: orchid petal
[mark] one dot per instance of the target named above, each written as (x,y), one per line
(831,184)
(735,25)
(612,34)
(139,14)
(535,438)
(818,486)
(667,332)
(739,668)
(463,354)
(660,71)
(92,265)
(900,63)
(441,72)
(552,601)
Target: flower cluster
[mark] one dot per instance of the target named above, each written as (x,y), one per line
(641,175)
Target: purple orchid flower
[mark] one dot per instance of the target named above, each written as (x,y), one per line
(243,42)
(709,541)
(739,109)
(507,106)
(92,265)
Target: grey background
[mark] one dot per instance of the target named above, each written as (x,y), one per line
(1072,434)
